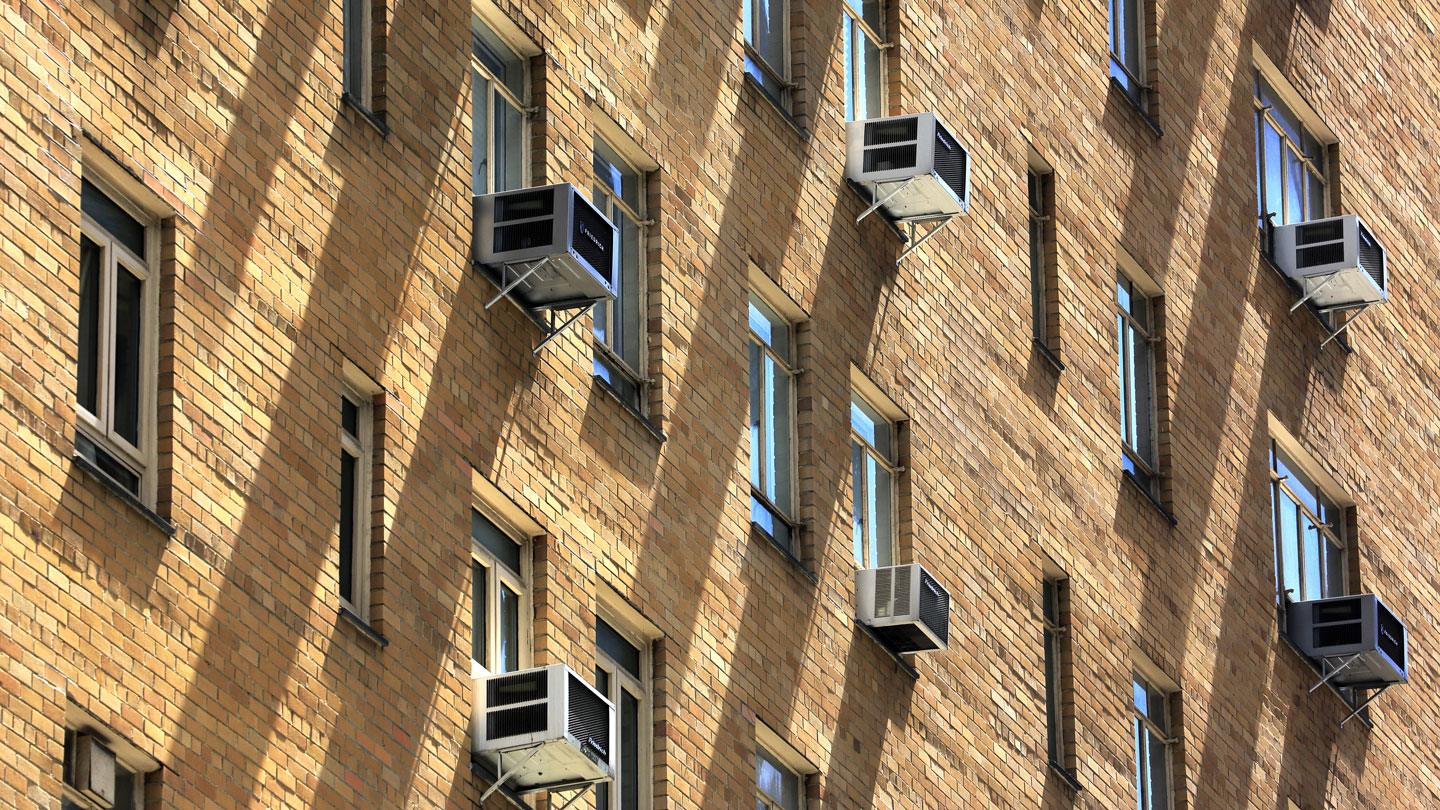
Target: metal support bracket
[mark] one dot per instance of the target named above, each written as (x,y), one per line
(915,245)
(1363,704)
(520,279)
(505,777)
(1336,671)
(1326,283)
(1346,325)
(575,798)
(874,189)
(556,330)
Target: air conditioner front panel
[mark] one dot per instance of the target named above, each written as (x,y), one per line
(1358,626)
(905,606)
(516,230)
(1336,261)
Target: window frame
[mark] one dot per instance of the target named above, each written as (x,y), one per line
(757,490)
(643,688)
(1053,618)
(780,75)
(1039,188)
(360,89)
(854,23)
(362,448)
(1148,726)
(1141,88)
(498,573)
(496,84)
(765,799)
(1335,533)
(1265,116)
(1147,408)
(860,480)
(139,458)
(139,764)
(611,356)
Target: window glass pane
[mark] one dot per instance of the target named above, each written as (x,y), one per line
(757,416)
(1315,190)
(1159,709)
(108,464)
(1037,266)
(616,175)
(348,495)
(1142,782)
(847,57)
(1052,693)
(629,751)
(479,612)
(497,57)
(1295,190)
(880,512)
(479,133)
(871,426)
(1314,572)
(115,220)
(626,341)
(769,32)
(125,784)
(1334,569)
(350,416)
(777,450)
(868,77)
(509,659)
(1159,774)
(88,371)
(129,323)
(509,140)
(773,330)
(354,48)
(1140,695)
(1290,547)
(777,781)
(857,494)
(1274,174)
(615,645)
(493,539)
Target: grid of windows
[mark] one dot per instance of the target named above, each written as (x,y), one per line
(872,474)
(497,113)
(863,51)
(621,671)
(499,598)
(767,46)
(1289,161)
(1136,355)
(619,324)
(772,414)
(1150,715)
(1309,530)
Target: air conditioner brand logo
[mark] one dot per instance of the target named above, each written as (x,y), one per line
(595,240)
(1388,634)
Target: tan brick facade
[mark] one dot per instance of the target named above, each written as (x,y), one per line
(297,238)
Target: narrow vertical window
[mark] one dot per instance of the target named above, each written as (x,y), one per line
(116,351)
(863,50)
(1127,42)
(622,674)
(1044,295)
(357,50)
(767,47)
(500,598)
(1289,162)
(356,438)
(772,415)
(1150,718)
(619,324)
(1055,604)
(497,108)
(1309,529)
(873,472)
(1136,357)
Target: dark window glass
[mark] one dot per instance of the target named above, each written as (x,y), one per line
(493,539)
(348,464)
(108,464)
(478,611)
(124,788)
(128,325)
(509,630)
(613,644)
(88,373)
(114,219)
(629,751)
(350,417)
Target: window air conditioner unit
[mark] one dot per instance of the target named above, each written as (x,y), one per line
(93,771)
(913,163)
(555,250)
(905,606)
(1345,627)
(1337,262)
(549,725)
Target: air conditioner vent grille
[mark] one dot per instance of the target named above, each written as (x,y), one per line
(1372,258)
(522,687)
(952,163)
(525,205)
(589,721)
(1317,255)
(935,607)
(884,593)
(514,722)
(904,583)
(896,130)
(524,235)
(1328,230)
(889,158)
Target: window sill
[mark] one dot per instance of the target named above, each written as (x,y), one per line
(756,89)
(865,198)
(1150,497)
(483,772)
(1066,775)
(370,117)
(125,494)
(364,627)
(1051,357)
(1363,716)
(1343,341)
(629,407)
(1130,102)
(905,666)
(757,532)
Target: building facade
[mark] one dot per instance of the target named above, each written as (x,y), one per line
(237,244)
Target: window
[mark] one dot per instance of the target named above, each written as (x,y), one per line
(1137,380)
(1150,713)
(357,50)
(1040,192)
(499,598)
(100,763)
(873,472)
(621,674)
(497,113)
(619,324)
(115,375)
(767,47)
(777,786)
(863,51)
(1289,161)
(1310,549)
(356,474)
(1055,602)
(1127,44)
(772,415)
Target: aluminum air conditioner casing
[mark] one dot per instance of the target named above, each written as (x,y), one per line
(917,152)
(551,711)
(1343,626)
(515,229)
(904,605)
(1339,253)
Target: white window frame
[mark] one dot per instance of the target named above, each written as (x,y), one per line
(757,489)
(861,482)
(611,310)
(1282,491)
(780,74)
(642,688)
(1144,458)
(498,572)
(522,53)
(359,88)
(1147,727)
(99,427)
(361,447)
(859,31)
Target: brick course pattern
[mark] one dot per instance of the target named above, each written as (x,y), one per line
(303,237)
